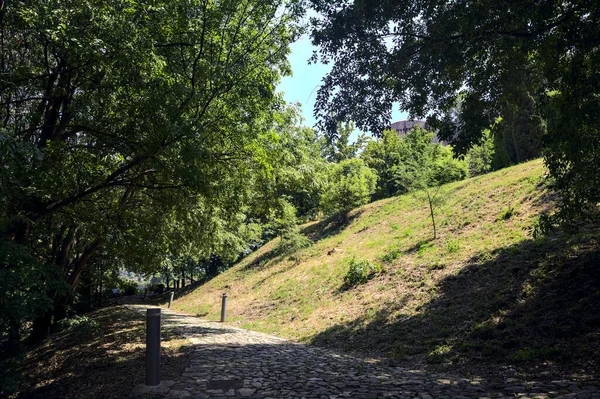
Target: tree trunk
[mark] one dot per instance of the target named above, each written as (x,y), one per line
(61,304)
(41,326)
(101,285)
(432,216)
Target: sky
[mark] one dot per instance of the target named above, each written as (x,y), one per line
(302,86)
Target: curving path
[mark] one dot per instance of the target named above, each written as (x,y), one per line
(231,362)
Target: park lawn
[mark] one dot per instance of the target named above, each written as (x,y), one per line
(484,297)
(106,363)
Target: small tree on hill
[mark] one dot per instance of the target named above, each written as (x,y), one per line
(428,168)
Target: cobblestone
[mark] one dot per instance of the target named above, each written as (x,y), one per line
(231,362)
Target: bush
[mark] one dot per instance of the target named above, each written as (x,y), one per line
(291,242)
(128,287)
(350,184)
(80,325)
(360,271)
(157,288)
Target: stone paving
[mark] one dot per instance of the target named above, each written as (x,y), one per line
(230,362)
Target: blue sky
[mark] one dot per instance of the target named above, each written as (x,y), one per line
(302,86)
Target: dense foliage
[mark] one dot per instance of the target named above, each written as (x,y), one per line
(464,64)
(350,184)
(128,129)
(406,163)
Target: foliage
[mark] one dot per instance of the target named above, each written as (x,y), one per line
(130,131)
(292,242)
(350,184)
(414,163)
(291,184)
(432,167)
(480,156)
(404,162)
(128,287)
(81,325)
(464,64)
(337,147)
(360,271)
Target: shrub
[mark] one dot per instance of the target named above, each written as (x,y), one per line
(80,326)
(507,213)
(350,184)
(291,242)
(394,254)
(360,271)
(128,287)
(452,246)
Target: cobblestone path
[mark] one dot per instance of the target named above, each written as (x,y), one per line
(231,362)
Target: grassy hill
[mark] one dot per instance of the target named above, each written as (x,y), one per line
(485,297)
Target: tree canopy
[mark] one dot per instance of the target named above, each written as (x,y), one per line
(463,65)
(129,128)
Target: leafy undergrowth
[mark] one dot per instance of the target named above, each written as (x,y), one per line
(102,356)
(485,298)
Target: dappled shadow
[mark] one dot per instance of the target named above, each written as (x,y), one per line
(260,366)
(530,308)
(261,260)
(418,246)
(188,288)
(107,365)
(330,226)
(275,370)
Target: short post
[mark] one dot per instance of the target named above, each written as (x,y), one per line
(153,347)
(171,299)
(224,308)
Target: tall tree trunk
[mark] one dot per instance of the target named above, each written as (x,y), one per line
(432,215)
(41,325)
(18,232)
(101,284)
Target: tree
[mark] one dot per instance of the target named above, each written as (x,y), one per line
(385,155)
(480,156)
(336,147)
(350,185)
(424,167)
(292,176)
(129,127)
(430,55)
(397,160)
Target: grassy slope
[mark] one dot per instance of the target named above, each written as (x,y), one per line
(483,294)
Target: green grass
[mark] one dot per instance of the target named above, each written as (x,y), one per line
(483,292)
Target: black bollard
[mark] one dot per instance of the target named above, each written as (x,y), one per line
(171,299)
(153,347)
(224,308)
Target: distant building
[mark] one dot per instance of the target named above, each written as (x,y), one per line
(403,127)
